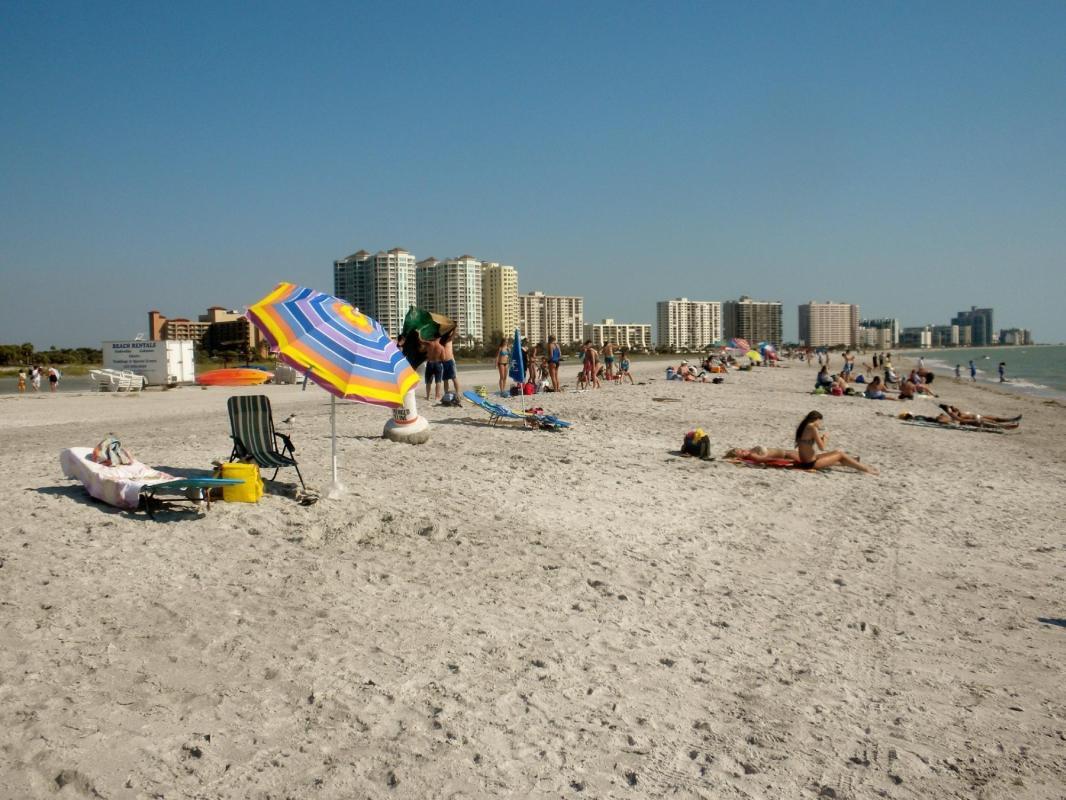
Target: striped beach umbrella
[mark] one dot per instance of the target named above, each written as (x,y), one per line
(341,349)
(741,344)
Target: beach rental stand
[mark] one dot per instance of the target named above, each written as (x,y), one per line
(345,352)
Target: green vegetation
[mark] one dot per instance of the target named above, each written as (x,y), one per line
(15,355)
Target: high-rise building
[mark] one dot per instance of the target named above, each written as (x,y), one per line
(453,288)
(543,315)
(945,336)
(917,336)
(982,332)
(631,336)
(829,324)
(1015,336)
(754,320)
(381,285)
(499,300)
(685,324)
(884,330)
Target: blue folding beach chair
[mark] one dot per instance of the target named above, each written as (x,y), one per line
(496,411)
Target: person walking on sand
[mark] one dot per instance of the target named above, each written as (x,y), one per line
(35,378)
(555,356)
(503,359)
(53,379)
(22,381)
(973,370)
(958,372)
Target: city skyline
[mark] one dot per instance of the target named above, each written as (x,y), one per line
(910,159)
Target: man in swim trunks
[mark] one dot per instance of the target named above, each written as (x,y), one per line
(448,370)
(608,359)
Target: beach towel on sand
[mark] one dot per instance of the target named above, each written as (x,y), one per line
(118,485)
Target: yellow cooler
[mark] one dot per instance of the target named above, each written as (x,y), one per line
(248,492)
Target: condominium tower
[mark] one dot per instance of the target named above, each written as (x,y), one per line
(754,320)
(685,324)
(381,285)
(630,336)
(829,324)
(499,300)
(453,287)
(979,320)
(543,315)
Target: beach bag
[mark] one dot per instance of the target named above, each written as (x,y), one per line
(696,443)
(449,399)
(836,391)
(516,390)
(481,392)
(111,453)
(528,388)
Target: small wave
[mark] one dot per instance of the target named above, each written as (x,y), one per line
(1024,384)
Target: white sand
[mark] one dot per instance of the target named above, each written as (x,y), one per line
(504,612)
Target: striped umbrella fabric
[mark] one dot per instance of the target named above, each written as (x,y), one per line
(342,350)
(741,344)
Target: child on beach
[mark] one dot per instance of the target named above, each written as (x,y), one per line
(22,381)
(623,368)
(958,372)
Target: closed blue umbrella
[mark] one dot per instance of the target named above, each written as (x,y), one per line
(518,364)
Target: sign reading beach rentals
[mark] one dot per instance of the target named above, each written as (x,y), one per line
(161,362)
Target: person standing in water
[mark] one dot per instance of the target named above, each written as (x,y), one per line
(1002,371)
(973,370)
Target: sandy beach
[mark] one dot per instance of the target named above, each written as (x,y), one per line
(513,613)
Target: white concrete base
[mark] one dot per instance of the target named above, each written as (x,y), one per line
(415,431)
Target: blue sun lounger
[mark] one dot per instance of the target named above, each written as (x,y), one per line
(498,412)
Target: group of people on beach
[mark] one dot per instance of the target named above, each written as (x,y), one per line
(31,376)
(541,365)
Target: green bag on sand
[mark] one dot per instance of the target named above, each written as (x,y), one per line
(819,390)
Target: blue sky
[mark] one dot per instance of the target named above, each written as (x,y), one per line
(909,157)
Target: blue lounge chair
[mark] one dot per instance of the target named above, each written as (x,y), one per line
(498,412)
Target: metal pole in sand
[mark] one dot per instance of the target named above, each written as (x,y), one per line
(335,488)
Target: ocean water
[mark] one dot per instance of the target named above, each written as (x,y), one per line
(1039,370)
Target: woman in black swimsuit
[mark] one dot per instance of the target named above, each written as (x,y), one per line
(810,438)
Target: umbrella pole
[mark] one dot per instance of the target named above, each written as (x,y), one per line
(335,488)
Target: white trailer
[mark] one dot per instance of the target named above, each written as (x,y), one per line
(162,363)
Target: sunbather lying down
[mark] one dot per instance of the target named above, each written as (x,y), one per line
(950,415)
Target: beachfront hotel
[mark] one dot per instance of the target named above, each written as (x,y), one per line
(218,330)
(754,320)
(829,324)
(629,336)
(453,287)
(542,315)
(685,324)
(381,285)
(499,300)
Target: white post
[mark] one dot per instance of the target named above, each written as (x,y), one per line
(406,425)
(335,488)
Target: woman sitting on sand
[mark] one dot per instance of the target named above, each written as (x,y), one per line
(876,390)
(810,439)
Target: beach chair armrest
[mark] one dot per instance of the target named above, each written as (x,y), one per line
(286,440)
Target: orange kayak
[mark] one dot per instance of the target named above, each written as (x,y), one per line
(234,377)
